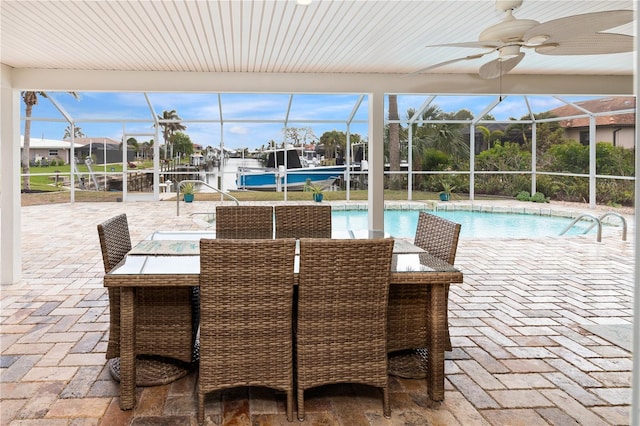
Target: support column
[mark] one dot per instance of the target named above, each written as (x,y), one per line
(472,162)
(376,163)
(534,158)
(592,162)
(10,222)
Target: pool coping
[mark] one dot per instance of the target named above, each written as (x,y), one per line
(542,210)
(489,206)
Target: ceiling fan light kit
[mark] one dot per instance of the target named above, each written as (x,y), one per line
(546,48)
(537,40)
(509,52)
(570,35)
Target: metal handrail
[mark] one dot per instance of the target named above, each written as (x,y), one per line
(201,183)
(590,216)
(615,214)
(597,221)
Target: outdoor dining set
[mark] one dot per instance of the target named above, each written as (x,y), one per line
(276,298)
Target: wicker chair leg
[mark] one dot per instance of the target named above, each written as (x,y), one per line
(290,405)
(200,408)
(386,406)
(301,405)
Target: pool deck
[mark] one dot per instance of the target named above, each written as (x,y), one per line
(540,330)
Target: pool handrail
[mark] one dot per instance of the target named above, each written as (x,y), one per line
(597,221)
(201,183)
(615,214)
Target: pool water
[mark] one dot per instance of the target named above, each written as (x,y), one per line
(403,223)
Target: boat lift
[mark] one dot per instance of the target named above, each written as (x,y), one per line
(80,176)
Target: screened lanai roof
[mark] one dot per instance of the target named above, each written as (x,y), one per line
(281,36)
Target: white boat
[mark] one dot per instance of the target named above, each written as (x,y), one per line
(292,173)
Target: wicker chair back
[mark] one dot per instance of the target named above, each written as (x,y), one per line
(342,314)
(303,221)
(246,289)
(241,222)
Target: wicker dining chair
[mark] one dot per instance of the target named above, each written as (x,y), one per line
(166,318)
(407,318)
(240,222)
(303,221)
(343,286)
(246,289)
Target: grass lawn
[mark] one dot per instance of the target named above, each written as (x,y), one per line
(43,178)
(52,197)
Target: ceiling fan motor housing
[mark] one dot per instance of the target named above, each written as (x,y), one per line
(509,30)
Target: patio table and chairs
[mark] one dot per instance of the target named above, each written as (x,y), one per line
(170,260)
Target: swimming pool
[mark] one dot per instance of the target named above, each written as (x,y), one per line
(403,223)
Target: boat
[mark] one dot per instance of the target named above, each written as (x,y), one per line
(293,174)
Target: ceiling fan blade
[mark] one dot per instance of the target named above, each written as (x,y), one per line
(472,44)
(497,68)
(452,61)
(559,30)
(591,44)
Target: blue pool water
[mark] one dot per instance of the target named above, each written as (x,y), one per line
(402,223)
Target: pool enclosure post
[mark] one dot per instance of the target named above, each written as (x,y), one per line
(376,163)
(534,156)
(472,161)
(10,221)
(592,161)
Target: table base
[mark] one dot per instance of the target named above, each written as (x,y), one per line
(153,370)
(409,364)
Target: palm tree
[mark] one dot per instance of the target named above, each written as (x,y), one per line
(334,142)
(394,142)
(170,123)
(30,99)
(133,143)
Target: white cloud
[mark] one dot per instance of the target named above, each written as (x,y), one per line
(239,130)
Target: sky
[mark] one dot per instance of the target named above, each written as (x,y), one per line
(249,120)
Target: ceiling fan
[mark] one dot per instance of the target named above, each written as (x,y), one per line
(572,35)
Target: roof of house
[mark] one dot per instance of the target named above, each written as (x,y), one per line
(87,141)
(41,143)
(602,105)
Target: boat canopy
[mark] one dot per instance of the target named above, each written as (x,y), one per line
(293,159)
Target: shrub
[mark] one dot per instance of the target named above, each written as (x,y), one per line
(539,197)
(523,196)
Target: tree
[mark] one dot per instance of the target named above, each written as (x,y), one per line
(30,99)
(394,142)
(170,123)
(182,143)
(446,137)
(77,133)
(299,136)
(486,137)
(133,143)
(333,142)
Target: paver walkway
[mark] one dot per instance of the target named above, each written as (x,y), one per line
(523,354)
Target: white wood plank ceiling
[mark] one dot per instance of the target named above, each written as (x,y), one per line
(363,36)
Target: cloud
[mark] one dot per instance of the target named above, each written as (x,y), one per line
(239,130)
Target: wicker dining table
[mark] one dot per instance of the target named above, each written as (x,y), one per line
(172,258)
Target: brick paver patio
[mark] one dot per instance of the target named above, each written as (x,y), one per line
(523,353)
